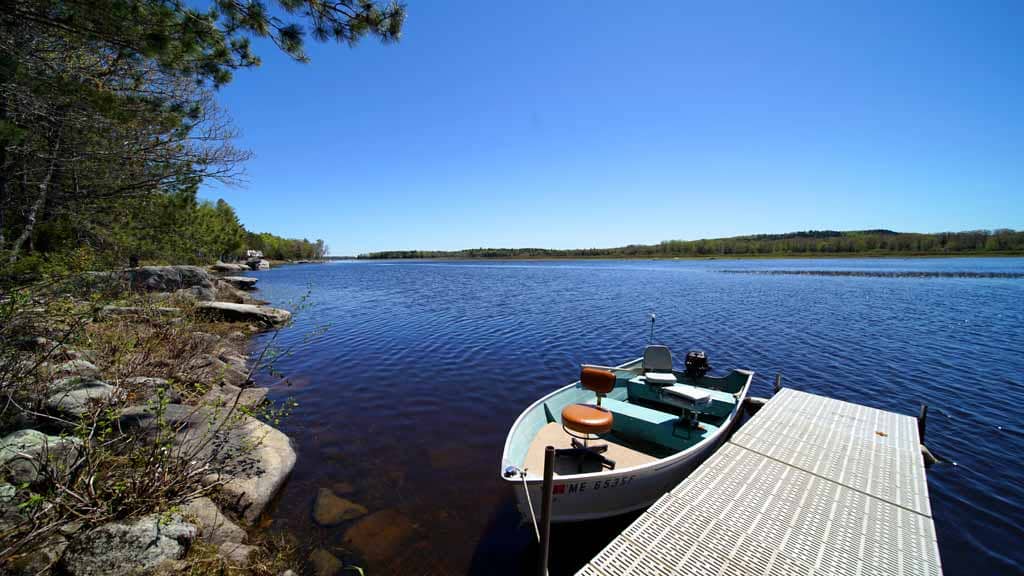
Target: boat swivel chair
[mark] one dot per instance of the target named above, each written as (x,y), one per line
(588,421)
(658,366)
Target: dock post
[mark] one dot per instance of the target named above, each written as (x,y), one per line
(778,382)
(545,511)
(921,419)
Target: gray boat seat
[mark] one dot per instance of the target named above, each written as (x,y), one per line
(658,366)
(686,396)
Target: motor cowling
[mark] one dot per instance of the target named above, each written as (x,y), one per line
(697,364)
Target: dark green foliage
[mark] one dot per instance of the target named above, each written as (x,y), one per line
(207,44)
(809,243)
(108,124)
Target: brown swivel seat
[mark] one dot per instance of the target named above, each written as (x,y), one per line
(588,421)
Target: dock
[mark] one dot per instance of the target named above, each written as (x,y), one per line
(809,485)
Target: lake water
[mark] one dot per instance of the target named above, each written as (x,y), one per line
(424,365)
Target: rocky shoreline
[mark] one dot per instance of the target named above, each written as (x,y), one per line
(198,405)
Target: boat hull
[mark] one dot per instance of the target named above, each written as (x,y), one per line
(611,493)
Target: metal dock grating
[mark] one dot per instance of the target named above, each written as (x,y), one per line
(810,485)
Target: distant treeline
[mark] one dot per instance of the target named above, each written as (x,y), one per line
(812,242)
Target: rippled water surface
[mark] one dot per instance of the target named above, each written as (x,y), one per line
(409,393)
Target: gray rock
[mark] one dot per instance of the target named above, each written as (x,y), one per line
(241,282)
(197,294)
(325,563)
(213,371)
(10,514)
(229,267)
(261,315)
(250,488)
(26,455)
(77,395)
(238,554)
(331,509)
(139,311)
(250,459)
(259,264)
(140,388)
(128,548)
(226,394)
(228,293)
(167,278)
(78,367)
(214,526)
(39,560)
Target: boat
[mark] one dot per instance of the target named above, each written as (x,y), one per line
(623,435)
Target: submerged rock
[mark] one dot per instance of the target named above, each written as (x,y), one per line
(26,455)
(262,315)
(325,563)
(129,548)
(330,509)
(381,535)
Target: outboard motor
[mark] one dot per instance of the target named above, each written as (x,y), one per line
(697,364)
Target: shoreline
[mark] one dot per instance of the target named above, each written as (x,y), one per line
(158,356)
(801,256)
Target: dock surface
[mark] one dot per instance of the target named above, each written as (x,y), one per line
(809,485)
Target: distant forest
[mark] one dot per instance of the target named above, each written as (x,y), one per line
(809,243)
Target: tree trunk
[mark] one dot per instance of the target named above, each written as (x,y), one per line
(37,207)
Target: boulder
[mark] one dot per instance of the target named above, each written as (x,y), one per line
(26,455)
(241,282)
(213,525)
(380,536)
(259,264)
(76,395)
(145,387)
(261,315)
(255,478)
(213,371)
(10,514)
(77,367)
(228,293)
(330,509)
(127,548)
(196,294)
(41,558)
(168,278)
(250,459)
(229,267)
(226,394)
(324,563)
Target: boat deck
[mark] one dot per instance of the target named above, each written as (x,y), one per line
(810,485)
(552,434)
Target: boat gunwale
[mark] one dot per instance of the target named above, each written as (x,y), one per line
(531,479)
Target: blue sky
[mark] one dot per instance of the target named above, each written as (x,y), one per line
(578,123)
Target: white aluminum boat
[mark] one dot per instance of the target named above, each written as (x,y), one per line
(653,426)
